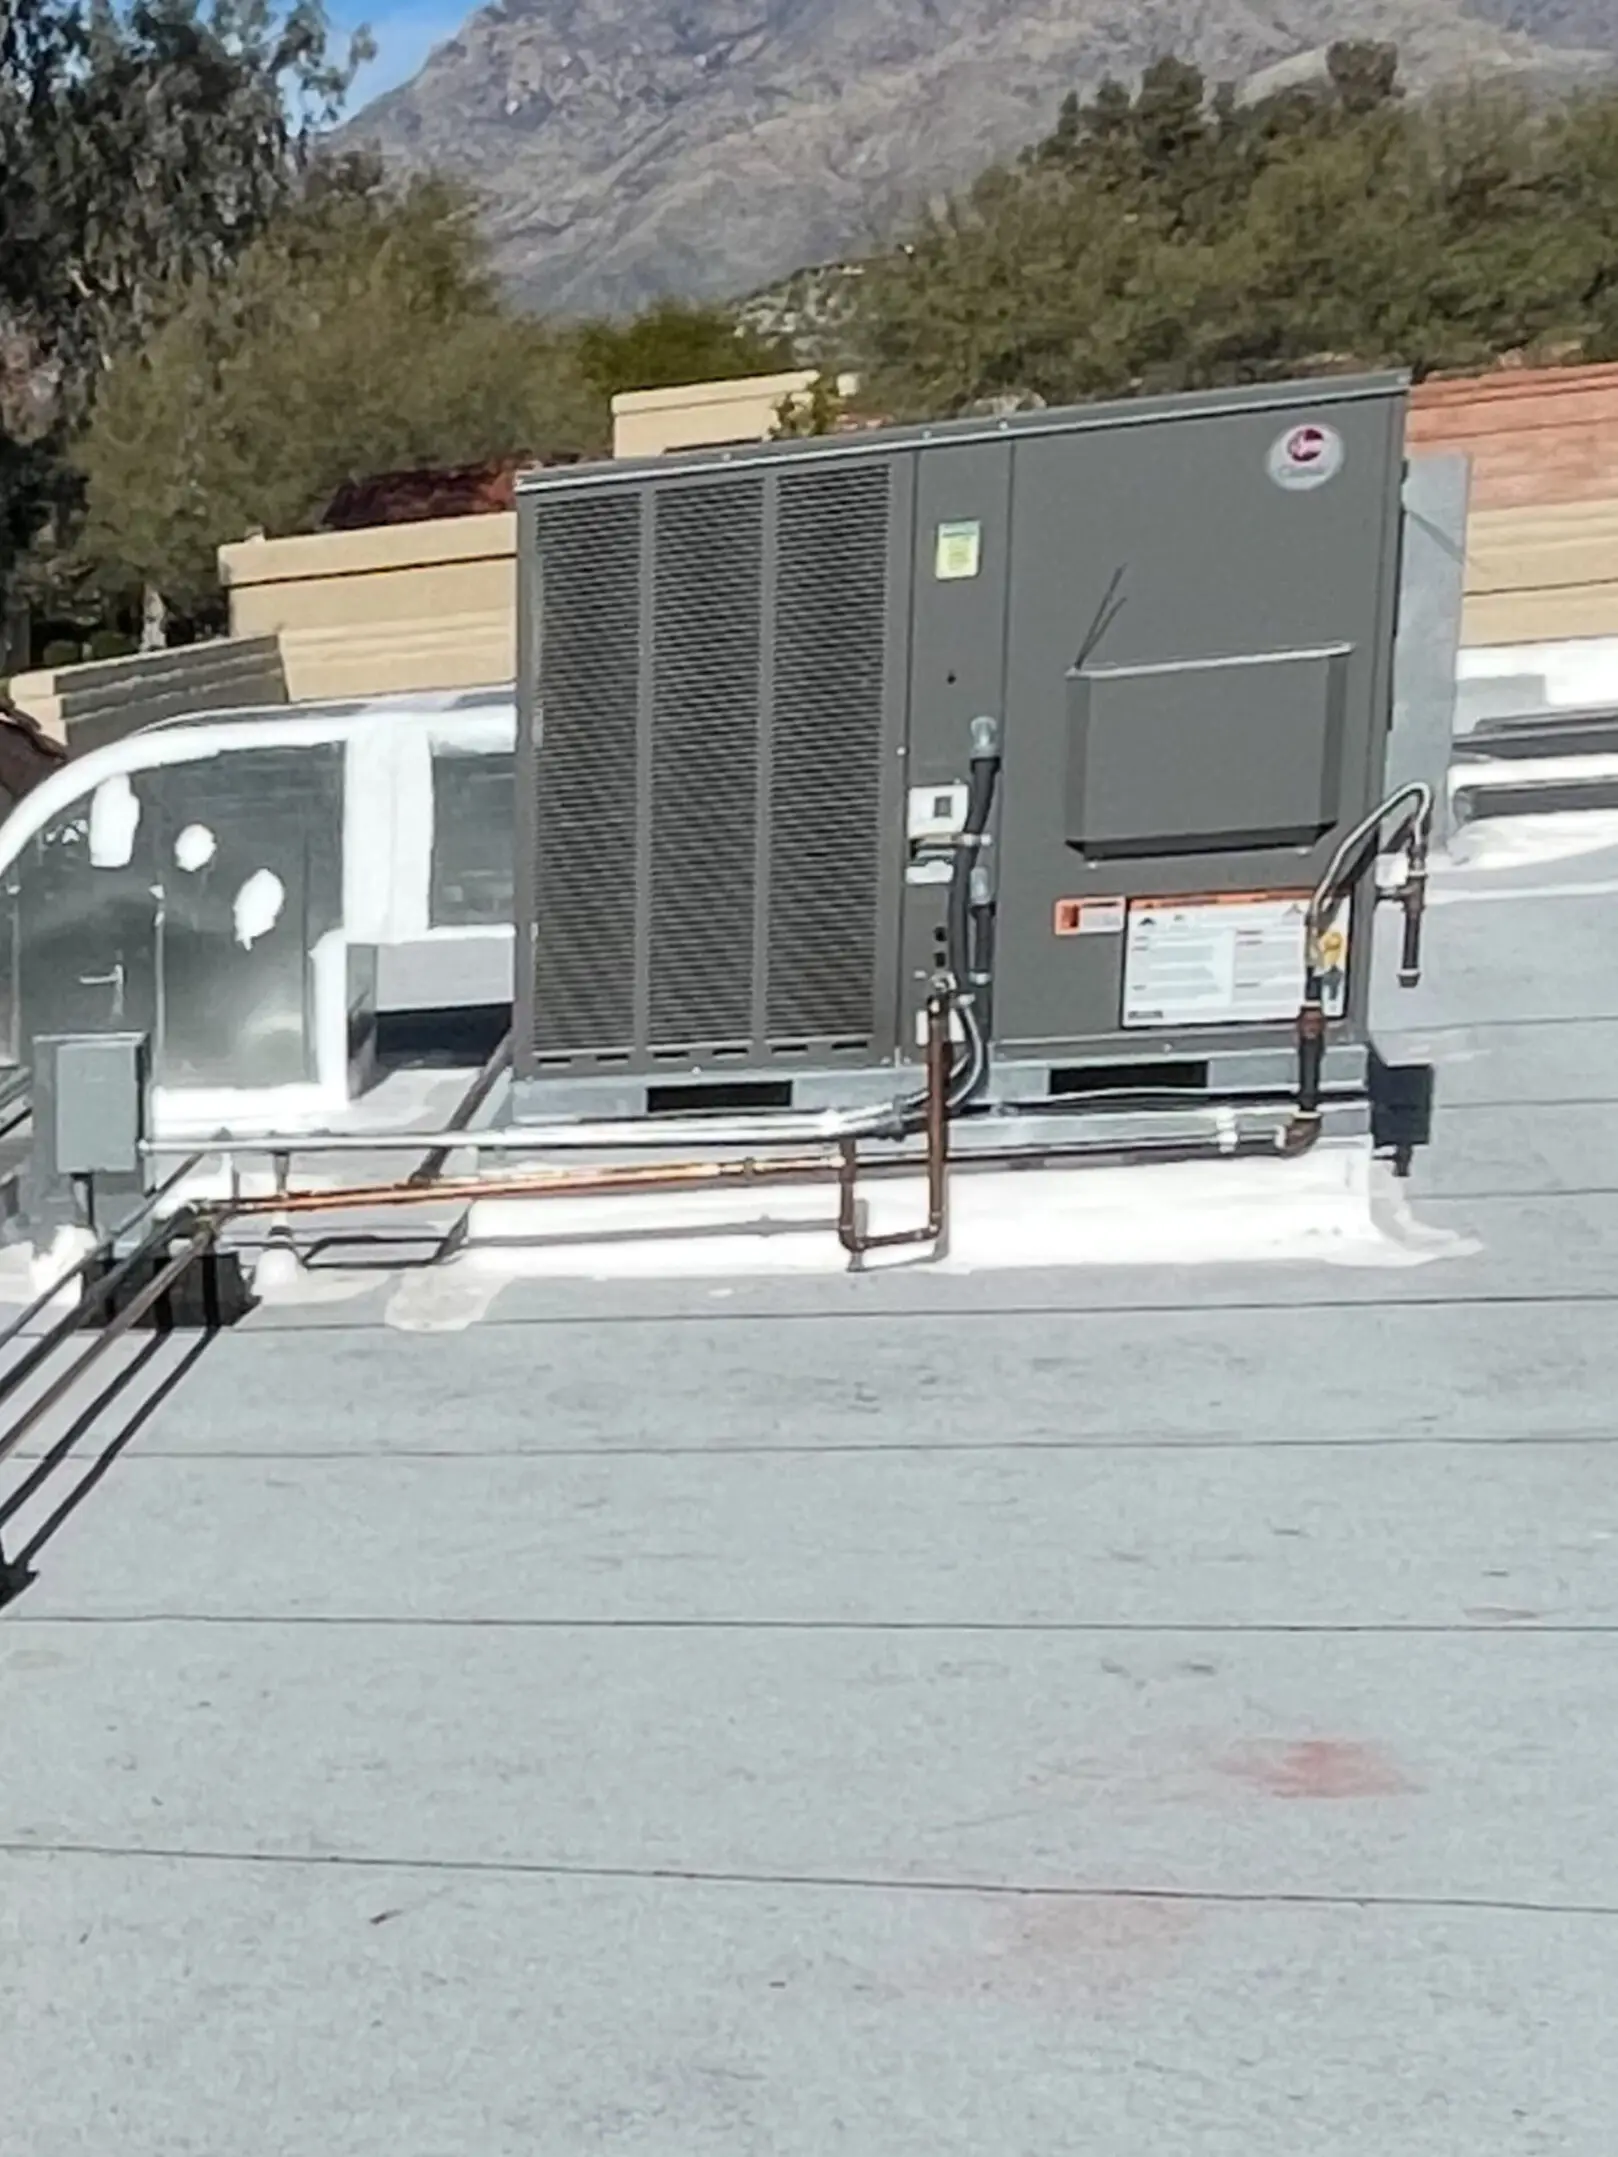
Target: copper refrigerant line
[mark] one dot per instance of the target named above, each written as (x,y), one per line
(852,1232)
(1357,853)
(702,1174)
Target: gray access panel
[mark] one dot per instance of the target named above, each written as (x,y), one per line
(1191,656)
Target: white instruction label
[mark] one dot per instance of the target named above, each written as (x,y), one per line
(1224,961)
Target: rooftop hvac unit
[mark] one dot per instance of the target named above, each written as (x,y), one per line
(749,685)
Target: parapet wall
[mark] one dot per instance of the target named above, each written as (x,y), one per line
(102,700)
(1537,438)
(1542,542)
(394,608)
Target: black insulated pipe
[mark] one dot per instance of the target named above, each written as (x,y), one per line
(969,943)
(980,975)
(1303,1127)
(1413,901)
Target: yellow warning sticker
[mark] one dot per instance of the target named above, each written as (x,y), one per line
(959,552)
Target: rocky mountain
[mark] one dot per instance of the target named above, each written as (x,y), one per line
(630,148)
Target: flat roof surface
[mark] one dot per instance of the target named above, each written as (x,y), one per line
(1155,1709)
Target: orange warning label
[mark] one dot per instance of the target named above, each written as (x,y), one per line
(1090,917)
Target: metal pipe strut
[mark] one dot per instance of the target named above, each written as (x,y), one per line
(432,1164)
(779,1127)
(752,1172)
(842,1164)
(545,1183)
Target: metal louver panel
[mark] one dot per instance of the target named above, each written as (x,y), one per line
(830,650)
(588,695)
(705,700)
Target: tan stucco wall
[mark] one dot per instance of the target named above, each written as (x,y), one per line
(398,607)
(1542,540)
(1542,575)
(703,415)
(432,605)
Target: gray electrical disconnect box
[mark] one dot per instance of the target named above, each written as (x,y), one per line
(90,1103)
(747,686)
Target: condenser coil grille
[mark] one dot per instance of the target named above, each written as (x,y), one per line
(705,698)
(825,782)
(587,711)
(711,705)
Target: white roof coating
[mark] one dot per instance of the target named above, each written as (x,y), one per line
(1151,1708)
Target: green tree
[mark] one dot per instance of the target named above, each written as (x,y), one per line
(141,146)
(1184,236)
(362,334)
(1581,188)
(814,413)
(671,344)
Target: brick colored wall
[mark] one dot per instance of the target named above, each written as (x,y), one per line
(1542,539)
(1537,437)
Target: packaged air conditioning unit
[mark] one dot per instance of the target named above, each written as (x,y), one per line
(748,687)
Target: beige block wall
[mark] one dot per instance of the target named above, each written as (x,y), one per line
(395,608)
(432,605)
(1541,575)
(707,415)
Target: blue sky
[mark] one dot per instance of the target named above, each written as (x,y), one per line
(405,32)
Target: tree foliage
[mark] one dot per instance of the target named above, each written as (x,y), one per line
(1179,236)
(672,343)
(816,411)
(142,146)
(363,333)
